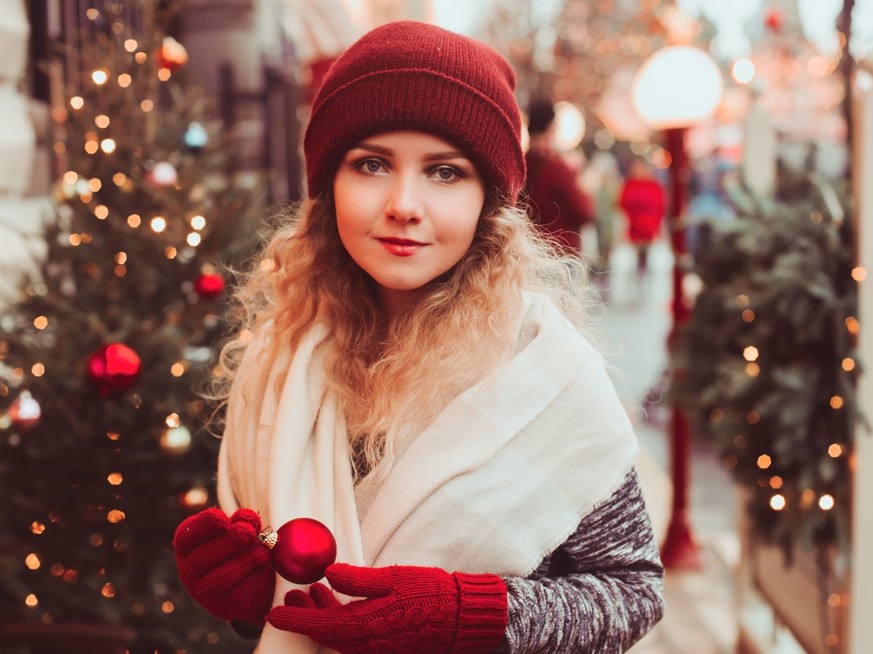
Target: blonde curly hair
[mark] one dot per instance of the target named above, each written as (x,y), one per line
(399,372)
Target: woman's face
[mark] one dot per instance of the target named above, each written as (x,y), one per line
(407,205)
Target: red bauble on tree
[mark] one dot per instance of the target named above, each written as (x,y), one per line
(172,54)
(209,285)
(301,549)
(113,368)
(774,19)
(25,411)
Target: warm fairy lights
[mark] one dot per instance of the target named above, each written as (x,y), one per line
(40,322)
(170,252)
(852,325)
(101,211)
(146,105)
(750,353)
(32,561)
(108,145)
(859,273)
(158,224)
(826,502)
(134,220)
(173,420)
(848,364)
(777,502)
(193,239)
(198,222)
(121,258)
(748,315)
(131,45)
(115,516)
(102,121)
(836,402)
(77,102)
(99,77)
(835,450)
(776,482)
(115,478)
(764,461)
(124,80)
(37,369)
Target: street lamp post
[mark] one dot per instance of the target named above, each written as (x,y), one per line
(676,88)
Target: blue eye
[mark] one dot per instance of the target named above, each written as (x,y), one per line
(447,173)
(369,166)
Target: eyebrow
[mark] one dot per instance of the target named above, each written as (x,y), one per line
(431,156)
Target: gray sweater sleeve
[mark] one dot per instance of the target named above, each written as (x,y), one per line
(599,592)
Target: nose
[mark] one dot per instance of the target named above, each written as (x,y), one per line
(404,203)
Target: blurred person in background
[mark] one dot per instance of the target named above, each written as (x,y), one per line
(644,202)
(557,204)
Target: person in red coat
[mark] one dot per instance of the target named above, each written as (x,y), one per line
(557,204)
(644,202)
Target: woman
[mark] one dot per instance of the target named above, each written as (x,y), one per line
(412,374)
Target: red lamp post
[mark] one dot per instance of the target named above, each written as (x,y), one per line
(677,87)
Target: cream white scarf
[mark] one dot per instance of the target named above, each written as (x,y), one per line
(500,478)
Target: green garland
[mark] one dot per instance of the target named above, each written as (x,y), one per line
(765,366)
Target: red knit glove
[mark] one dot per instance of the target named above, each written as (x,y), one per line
(406,610)
(224,566)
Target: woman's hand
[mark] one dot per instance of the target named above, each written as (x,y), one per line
(224,565)
(404,609)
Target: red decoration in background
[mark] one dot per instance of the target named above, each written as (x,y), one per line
(209,285)
(25,411)
(304,549)
(774,19)
(113,368)
(172,54)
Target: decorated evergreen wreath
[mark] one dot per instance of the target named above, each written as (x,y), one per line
(766,367)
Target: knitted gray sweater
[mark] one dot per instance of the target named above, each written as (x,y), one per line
(599,592)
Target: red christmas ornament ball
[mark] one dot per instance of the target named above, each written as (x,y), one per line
(113,368)
(209,285)
(774,19)
(304,549)
(172,54)
(25,411)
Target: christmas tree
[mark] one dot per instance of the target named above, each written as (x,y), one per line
(766,364)
(102,446)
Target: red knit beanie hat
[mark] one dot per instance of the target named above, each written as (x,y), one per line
(408,75)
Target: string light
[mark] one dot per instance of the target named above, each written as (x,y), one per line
(101,211)
(776,482)
(198,222)
(115,478)
(748,315)
(193,239)
(140,57)
(750,353)
(99,77)
(124,80)
(146,105)
(77,102)
(859,273)
(131,45)
(826,502)
(102,121)
(173,420)
(753,369)
(848,364)
(37,370)
(835,450)
(777,502)
(852,325)
(115,516)
(40,322)
(836,402)
(108,145)
(158,224)
(164,74)
(764,461)
(134,220)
